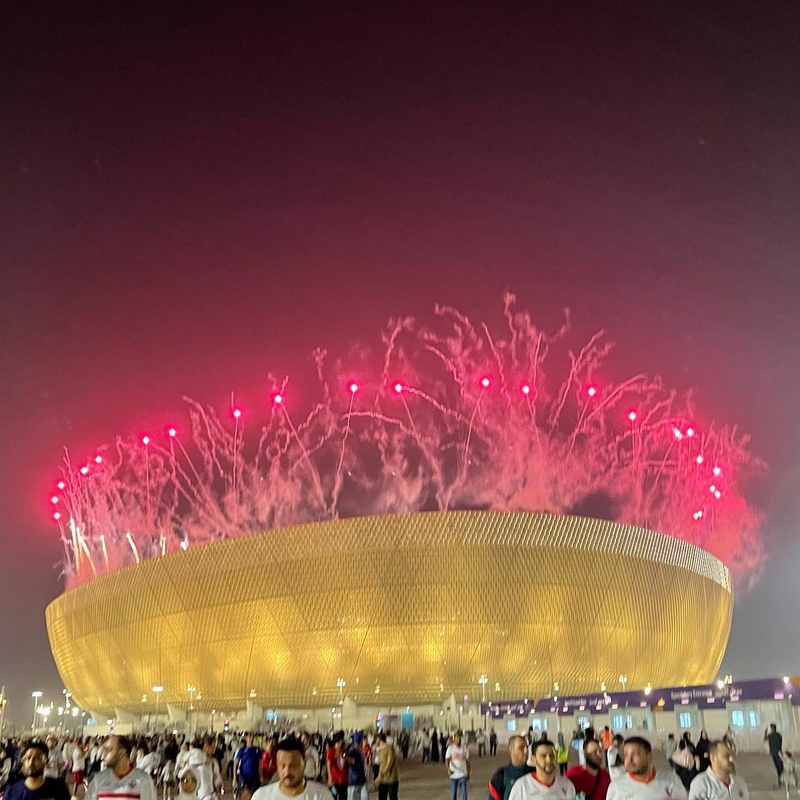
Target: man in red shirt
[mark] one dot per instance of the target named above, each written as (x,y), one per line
(591,779)
(337,767)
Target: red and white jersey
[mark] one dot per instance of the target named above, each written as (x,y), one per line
(707,786)
(135,785)
(529,787)
(664,784)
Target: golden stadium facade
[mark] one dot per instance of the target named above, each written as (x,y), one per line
(406,609)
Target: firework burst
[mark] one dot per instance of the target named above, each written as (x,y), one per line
(452,417)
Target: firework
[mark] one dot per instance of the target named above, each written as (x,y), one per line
(456,418)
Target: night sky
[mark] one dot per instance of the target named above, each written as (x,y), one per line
(191,199)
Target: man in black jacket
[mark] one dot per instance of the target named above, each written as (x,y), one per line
(504,777)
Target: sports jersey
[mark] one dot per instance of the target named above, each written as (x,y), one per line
(593,787)
(134,785)
(312,791)
(530,787)
(707,786)
(662,785)
(504,778)
(249,759)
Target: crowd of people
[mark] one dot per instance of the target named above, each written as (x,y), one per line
(350,766)
(622,770)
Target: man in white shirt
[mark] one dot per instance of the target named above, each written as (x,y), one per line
(545,783)
(311,769)
(120,779)
(719,782)
(290,758)
(457,761)
(641,781)
(614,755)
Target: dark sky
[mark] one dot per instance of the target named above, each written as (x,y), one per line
(189,199)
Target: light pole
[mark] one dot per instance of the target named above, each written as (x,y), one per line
(191,688)
(623,679)
(157,690)
(45,712)
(483,680)
(36,695)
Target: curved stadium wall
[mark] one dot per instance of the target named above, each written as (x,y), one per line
(419,606)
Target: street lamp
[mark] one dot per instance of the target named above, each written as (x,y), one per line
(36,695)
(483,680)
(623,679)
(341,683)
(157,690)
(191,688)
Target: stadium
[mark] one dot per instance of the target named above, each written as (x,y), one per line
(430,612)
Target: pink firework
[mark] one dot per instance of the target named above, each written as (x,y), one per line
(452,417)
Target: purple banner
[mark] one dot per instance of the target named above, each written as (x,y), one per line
(708,696)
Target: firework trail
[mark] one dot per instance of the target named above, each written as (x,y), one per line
(449,416)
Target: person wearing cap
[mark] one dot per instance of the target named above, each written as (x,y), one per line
(357,769)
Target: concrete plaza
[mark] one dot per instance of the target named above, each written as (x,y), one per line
(430,781)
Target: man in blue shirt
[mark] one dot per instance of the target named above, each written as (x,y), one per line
(34,785)
(247,766)
(357,785)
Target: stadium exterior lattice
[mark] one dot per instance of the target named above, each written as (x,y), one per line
(393,611)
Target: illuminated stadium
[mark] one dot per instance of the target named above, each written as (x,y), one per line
(413,608)
(452,525)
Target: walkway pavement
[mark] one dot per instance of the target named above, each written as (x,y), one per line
(430,781)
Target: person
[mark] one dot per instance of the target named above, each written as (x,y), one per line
(291,766)
(701,757)
(120,778)
(337,767)
(480,740)
(55,763)
(683,762)
(670,747)
(311,757)
(456,761)
(149,760)
(775,744)
(183,757)
(730,740)
(641,781)
(210,749)
(34,785)
(545,783)
(504,777)
(591,780)
(78,762)
(434,746)
(405,742)
(492,743)
(388,780)
(188,784)
(614,756)
(562,754)
(425,740)
(719,781)
(6,762)
(269,765)
(357,769)
(246,766)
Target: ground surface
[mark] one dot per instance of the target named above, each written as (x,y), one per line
(430,782)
